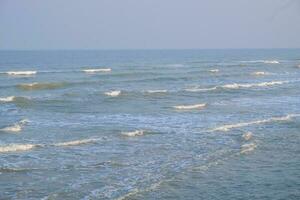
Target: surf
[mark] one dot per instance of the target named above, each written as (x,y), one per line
(190,107)
(21,73)
(113,93)
(91,71)
(16,147)
(226,128)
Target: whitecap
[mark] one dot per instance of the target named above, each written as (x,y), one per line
(16,147)
(263,84)
(189,107)
(17,127)
(200,89)
(228,127)
(247,135)
(246,148)
(157,91)
(259,73)
(133,133)
(214,70)
(21,73)
(96,70)
(113,93)
(76,142)
(271,62)
(7,99)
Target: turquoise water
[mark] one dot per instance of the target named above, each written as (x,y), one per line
(151,124)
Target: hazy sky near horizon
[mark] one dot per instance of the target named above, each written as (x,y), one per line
(149,24)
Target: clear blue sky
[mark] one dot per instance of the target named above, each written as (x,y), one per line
(148,24)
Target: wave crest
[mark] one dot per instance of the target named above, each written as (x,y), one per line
(113,93)
(76,142)
(228,127)
(96,70)
(21,73)
(189,107)
(16,147)
(133,133)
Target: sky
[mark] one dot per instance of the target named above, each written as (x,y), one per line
(149,24)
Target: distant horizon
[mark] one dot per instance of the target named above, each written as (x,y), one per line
(150,49)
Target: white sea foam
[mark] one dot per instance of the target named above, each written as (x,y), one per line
(157,91)
(76,142)
(133,133)
(17,127)
(263,84)
(189,107)
(7,99)
(96,70)
(228,127)
(247,135)
(214,70)
(16,147)
(271,62)
(261,61)
(246,148)
(114,93)
(259,73)
(200,89)
(21,73)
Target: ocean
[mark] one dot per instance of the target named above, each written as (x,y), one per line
(150,124)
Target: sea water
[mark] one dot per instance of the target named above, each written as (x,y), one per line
(150,124)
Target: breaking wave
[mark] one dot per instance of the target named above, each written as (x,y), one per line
(114,93)
(17,127)
(228,127)
(133,133)
(200,89)
(21,73)
(96,70)
(262,61)
(246,148)
(156,91)
(16,147)
(189,107)
(259,73)
(214,70)
(264,84)
(7,99)
(76,142)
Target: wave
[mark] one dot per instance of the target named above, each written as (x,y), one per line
(264,84)
(76,142)
(156,91)
(228,127)
(214,70)
(17,127)
(246,148)
(12,99)
(200,89)
(7,99)
(262,61)
(40,86)
(113,93)
(189,107)
(259,73)
(16,147)
(133,133)
(237,86)
(96,70)
(21,73)
(247,135)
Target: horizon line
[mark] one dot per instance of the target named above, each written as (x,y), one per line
(149,49)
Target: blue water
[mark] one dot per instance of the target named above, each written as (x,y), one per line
(179,124)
